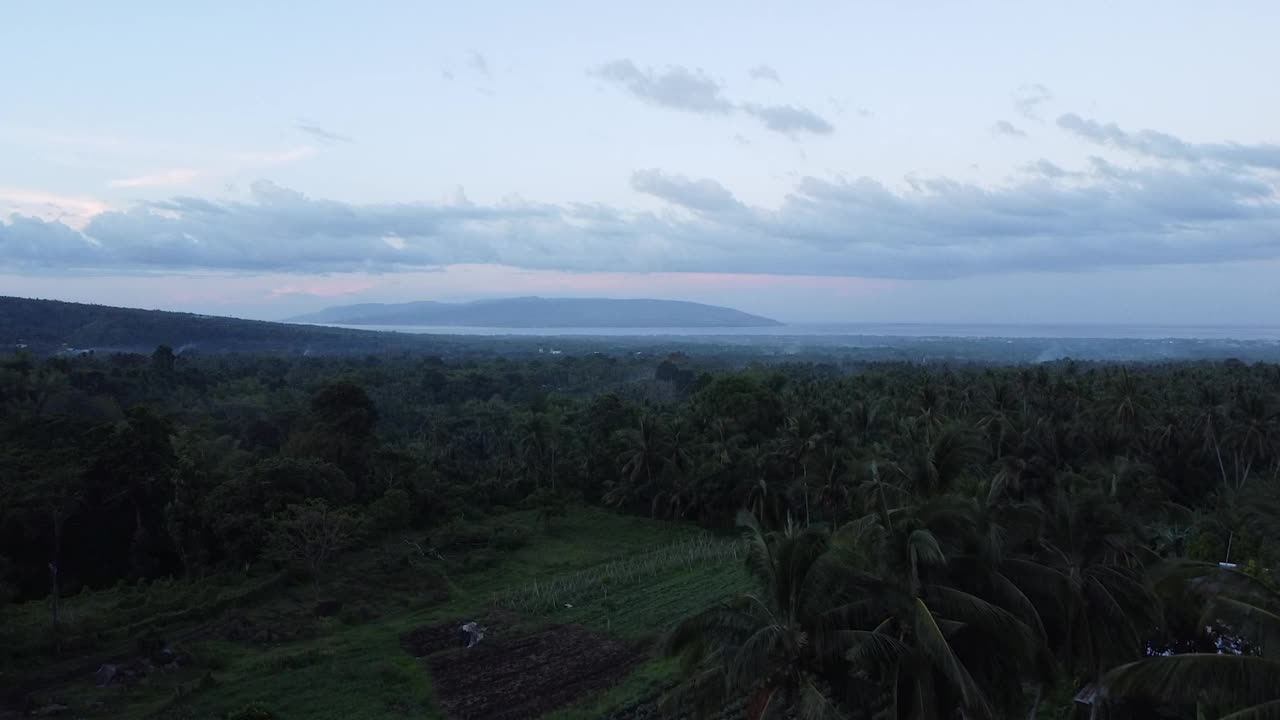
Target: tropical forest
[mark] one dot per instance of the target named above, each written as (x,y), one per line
(629,536)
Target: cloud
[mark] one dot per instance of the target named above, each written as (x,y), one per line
(765,72)
(324,136)
(271,158)
(1048,169)
(69,209)
(1163,146)
(700,195)
(676,88)
(330,287)
(1004,127)
(788,119)
(161,178)
(476,62)
(231,164)
(1052,219)
(1027,100)
(692,90)
(30,242)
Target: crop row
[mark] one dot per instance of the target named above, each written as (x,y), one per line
(594,583)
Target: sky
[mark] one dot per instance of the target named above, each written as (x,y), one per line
(928,162)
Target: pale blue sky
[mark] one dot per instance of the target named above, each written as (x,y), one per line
(984,161)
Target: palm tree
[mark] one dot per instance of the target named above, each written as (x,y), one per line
(1252,434)
(770,649)
(641,460)
(941,461)
(1086,576)
(761,495)
(1239,685)
(869,611)
(937,643)
(800,440)
(1209,422)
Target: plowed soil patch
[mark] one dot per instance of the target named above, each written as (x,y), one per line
(524,677)
(448,635)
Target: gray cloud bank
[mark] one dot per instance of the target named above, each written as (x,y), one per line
(1162,146)
(1221,206)
(692,90)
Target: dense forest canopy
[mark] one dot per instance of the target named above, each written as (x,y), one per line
(926,540)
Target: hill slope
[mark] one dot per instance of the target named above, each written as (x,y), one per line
(541,312)
(46,326)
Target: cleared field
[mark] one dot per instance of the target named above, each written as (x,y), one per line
(525,677)
(617,582)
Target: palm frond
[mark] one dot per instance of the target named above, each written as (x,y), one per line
(1012,598)
(760,560)
(815,705)
(925,548)
(1260,626)
(1197,677)
(869,646)
(970,609)
(757,656)
(1264,711)
(934,644)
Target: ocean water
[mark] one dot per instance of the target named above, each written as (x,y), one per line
(905,330)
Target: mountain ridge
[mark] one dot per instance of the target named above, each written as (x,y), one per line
(528,312)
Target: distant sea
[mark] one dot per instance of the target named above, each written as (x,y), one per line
(916,330)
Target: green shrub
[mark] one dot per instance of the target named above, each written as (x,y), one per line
(392,511)
(508,537)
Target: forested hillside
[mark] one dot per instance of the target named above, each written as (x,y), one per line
(49,326)
(533,312)
(922,541)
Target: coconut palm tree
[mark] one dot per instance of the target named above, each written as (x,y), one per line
(1235,683)
(771,649)
(942,460)
(866,617)
(941,644)
(1086,576)
(641,460)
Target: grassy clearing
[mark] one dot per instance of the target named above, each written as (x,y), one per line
(628,576)
(592,584)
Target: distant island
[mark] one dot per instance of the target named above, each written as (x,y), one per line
(533,312)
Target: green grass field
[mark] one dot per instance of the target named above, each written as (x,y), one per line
(629,577)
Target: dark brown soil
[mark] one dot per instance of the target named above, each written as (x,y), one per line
(430,640)
(448,636)
(525,677)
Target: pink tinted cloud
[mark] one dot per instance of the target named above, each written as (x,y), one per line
(326,287)
(517,281)
(161,178)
